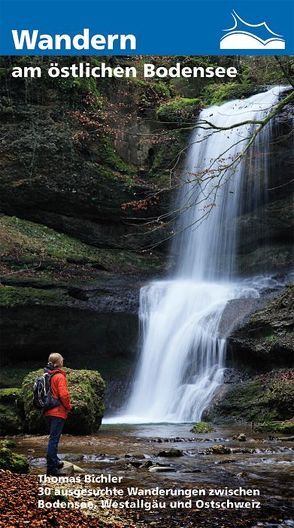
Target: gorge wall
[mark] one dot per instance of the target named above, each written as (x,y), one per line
(86,171)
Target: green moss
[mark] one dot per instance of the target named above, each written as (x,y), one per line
(162,89)
(11,411)
(215,94)
(12,461)
(39,240)
(28,243)
(110,157)
(86,388)
(12,296)
(168,156)
(271,338)
(179,111)
(147,93)
(248,402)
(202,427)
(10,420)
(263,399)
(285,427)
(7,443)
(9,395)
(280,396)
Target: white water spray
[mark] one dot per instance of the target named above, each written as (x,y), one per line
(182,356)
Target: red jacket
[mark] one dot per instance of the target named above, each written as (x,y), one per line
(59,390)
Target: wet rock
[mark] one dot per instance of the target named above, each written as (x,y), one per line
(226,461)
(232,317)
(37,462)
(134,455)
(177,439)
(146,464)
(264,399)
(241,450)
(160,469)
(71,469)
(266,338)
(242,474)
(73,457)
(135,463)
(233,375)
(170,453)
(219,449)
(191,471)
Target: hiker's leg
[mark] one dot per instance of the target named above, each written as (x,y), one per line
(56,426)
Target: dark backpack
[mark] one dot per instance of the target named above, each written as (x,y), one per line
(42,396)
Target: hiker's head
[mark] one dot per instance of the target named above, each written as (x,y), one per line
(55,360)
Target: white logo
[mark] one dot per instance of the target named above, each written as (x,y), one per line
(250,36)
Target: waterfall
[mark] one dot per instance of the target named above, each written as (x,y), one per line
(182,354)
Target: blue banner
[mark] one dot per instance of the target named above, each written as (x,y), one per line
(146,27)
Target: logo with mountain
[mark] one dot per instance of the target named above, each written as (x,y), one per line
(244,35)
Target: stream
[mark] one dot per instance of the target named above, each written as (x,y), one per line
(133,451)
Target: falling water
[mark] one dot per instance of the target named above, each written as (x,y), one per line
(182,354)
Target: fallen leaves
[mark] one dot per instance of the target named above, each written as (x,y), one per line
(18,507)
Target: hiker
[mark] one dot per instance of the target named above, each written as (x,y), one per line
(56,416)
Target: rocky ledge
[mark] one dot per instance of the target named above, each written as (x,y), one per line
(265,339)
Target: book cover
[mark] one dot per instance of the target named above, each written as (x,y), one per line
(146,284)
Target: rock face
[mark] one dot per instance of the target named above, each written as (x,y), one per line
(266,338)
(263,398)
(82,167)
(63,165)
(87,396)
(90,320)
(262,342)
(78,158)
(266,226)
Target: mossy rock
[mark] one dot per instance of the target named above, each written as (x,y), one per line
(266,398)
(13,461)
(11,412)
(86,388)
(266,337)
(13,296)
(10,395)
(219,449)
(217,93)
(202,427)
(285,427)
(168,155)
(179,111)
